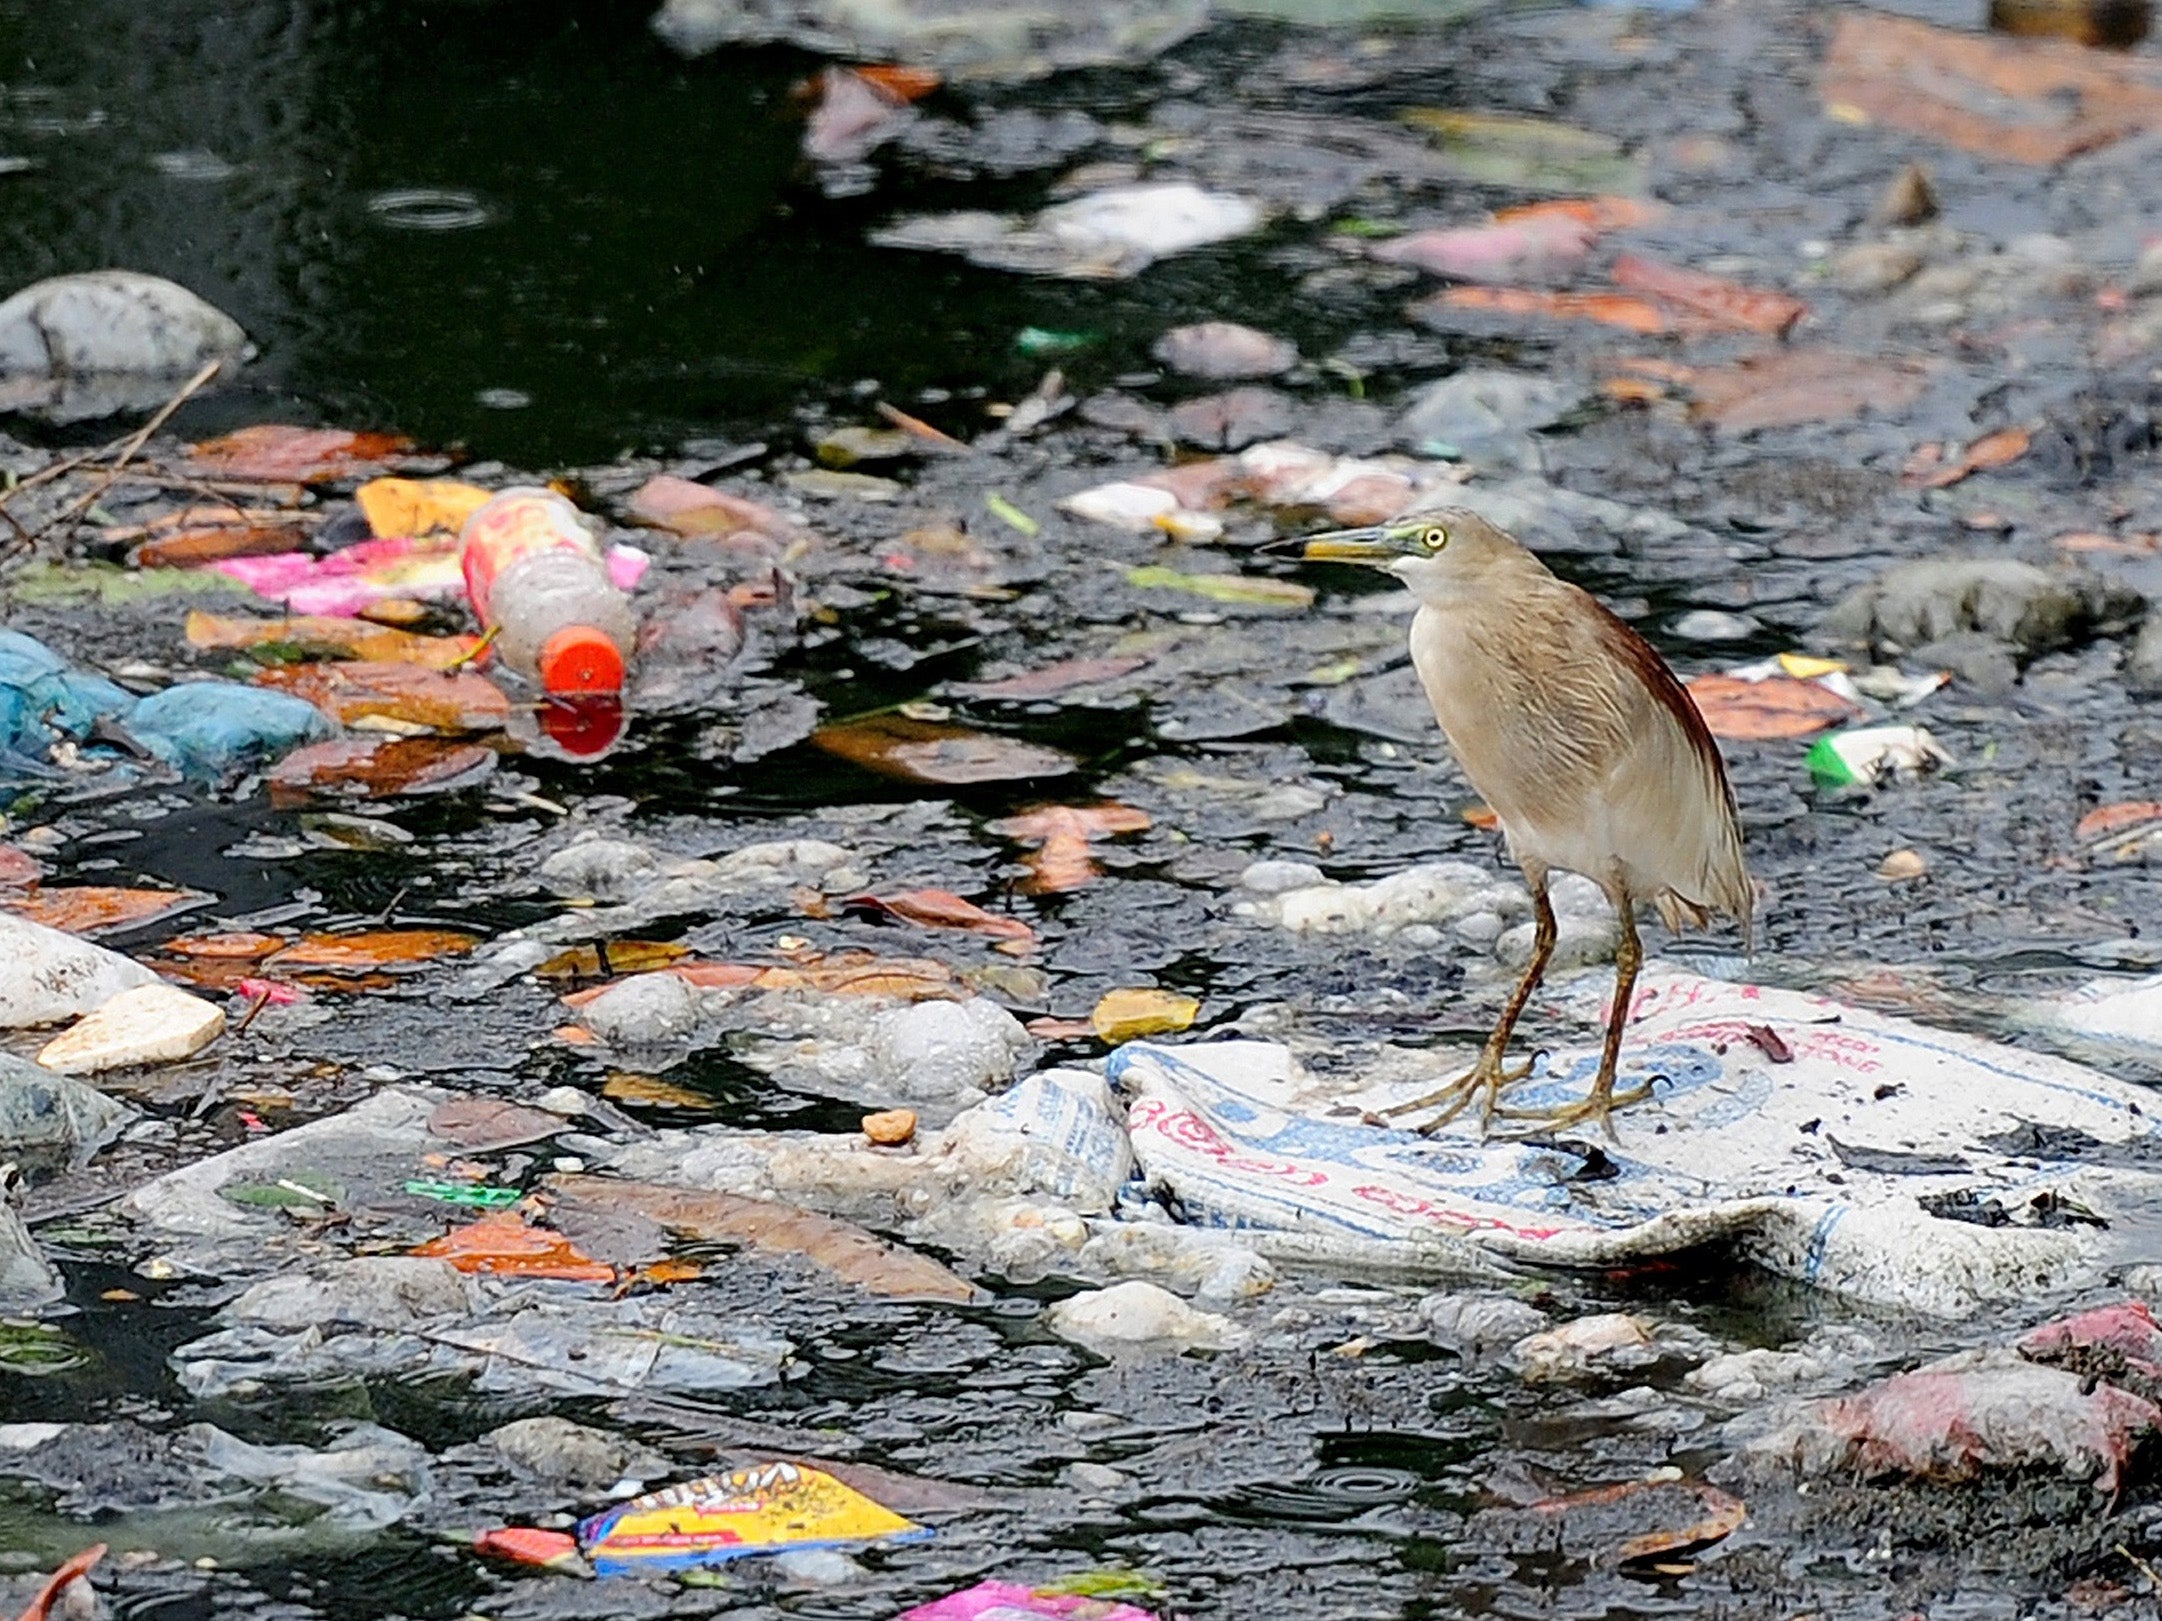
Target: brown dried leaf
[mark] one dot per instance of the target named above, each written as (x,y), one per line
(933,752)
(1710,298)
(1789,386)
(1060,862)
(352,693)
(272,453)
(845,1250)
(943,909)
(377,768)
(2105,820)
(187,548)
(371,948)
(483,1125)
(2024,101)
(95,909)
(1933,472)
(1778,706)
(339,638)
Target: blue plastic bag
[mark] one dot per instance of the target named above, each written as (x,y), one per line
(207,728)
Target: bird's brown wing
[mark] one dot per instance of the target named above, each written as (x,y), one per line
(1675,781)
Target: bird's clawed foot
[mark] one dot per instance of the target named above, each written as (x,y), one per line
(1598,1107)
(1488,1075)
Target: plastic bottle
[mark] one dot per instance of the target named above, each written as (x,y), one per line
(537,579)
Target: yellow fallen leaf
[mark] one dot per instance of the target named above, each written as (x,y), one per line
(1804,668)
(1132,1012)
(416,506)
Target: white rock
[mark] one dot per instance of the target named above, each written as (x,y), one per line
(47,976)
(1132,507)
(645,1010)
(1135,1313)
(1608,1340)
(936,1048)
(151,1024)
(1748,1376)
(2120,1010)
(90,344)
(387,1292)
(1225,350)
(1275,877)
(1436,892)
(1478,1325)
(600,869)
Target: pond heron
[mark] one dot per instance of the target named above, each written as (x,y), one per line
(1582,742)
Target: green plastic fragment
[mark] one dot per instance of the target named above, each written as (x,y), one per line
(1828,765)
(1106,1583)
(473,1195)
(1042,340)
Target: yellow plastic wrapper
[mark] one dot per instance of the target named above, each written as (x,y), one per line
(721,1517)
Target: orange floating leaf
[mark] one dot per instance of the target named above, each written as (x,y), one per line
(272,453)
(363,690)
(1600,213)
(1928,469)
(1049,1029)
(900,81)
(2105,820)
(1709,298)
(1483,818)
(1060,861)
(96,909)
(186,548)
(606,959)
(504,1245)
(18,870)
(372,948)
(1778,706)
(320,634)
(1609,309)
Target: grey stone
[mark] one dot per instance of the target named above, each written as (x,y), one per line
(1486,416)
(2143,666)
(1940,601)
(105,341)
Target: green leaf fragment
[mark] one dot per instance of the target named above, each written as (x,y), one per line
(1011,516)
(1244,590)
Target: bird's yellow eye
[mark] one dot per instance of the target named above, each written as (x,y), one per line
(1432,540)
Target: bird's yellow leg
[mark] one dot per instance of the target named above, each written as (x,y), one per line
(1601,1103)
(1489,1075)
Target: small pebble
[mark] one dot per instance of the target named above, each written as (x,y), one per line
(1908,200)
(1900,866)
(890,1128)
(1713,625)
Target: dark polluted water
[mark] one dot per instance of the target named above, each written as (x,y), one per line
(524,229)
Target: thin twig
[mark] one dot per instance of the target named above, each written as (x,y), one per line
(72,512)
(921,429)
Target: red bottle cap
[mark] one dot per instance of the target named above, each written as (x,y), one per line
(583,727)
(579,658)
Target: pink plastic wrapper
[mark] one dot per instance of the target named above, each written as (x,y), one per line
(346,582)
(1009,1601)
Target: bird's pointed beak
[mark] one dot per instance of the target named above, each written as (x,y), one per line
(1371,545)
